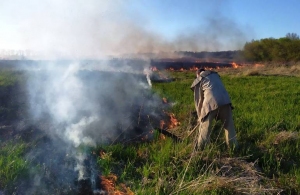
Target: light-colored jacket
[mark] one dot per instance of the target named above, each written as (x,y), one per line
(209,93)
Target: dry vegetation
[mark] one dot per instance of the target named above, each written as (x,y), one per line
(263,165)
(236,174)
(263,69)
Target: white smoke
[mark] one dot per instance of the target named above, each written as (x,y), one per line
(75,135)
(148,73)
(87,106)
(96,28)
(81,106)
(80,166)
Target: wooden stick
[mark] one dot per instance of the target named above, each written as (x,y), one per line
(193,130)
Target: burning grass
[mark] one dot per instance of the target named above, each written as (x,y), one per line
(264,69)
(266,117)
(159,167)
(108,185)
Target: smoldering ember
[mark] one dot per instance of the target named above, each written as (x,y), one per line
(67,107)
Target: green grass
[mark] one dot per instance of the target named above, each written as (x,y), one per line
(179,93)
(12,163)
(267,121)
(9,78)
(10,94)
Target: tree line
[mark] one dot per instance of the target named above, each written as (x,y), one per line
(285,49)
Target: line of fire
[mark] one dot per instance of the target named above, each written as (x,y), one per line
(183,65)
(124,107)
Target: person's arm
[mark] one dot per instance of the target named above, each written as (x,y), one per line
(201,98)
(198,98)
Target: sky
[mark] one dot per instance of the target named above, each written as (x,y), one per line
(90,28)
(265,18)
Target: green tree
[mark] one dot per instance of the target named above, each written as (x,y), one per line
(286,49)
(292,36)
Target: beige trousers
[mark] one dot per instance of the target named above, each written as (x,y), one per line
(223,113)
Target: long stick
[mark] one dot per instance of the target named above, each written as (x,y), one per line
(190,133)
(169,134)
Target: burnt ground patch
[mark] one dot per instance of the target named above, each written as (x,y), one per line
(52,160)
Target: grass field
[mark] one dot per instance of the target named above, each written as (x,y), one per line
(267,121)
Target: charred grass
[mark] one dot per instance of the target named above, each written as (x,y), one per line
(267,121)
(267,161)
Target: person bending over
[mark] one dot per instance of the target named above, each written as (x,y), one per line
(212,101)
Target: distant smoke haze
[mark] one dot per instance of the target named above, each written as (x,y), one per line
(93,29)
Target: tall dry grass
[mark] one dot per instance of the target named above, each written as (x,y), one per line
(263,69)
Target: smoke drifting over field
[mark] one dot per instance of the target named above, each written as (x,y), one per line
(72,109)
(93,29)
(75,107)
(78,98)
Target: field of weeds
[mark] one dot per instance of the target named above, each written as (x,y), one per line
(267,120)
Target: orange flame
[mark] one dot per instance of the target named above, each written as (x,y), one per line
(171,123)
(235,65)
(194,68)
(108,184)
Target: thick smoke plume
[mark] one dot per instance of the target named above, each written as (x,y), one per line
(75,107)
(94,29)
(78,98)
